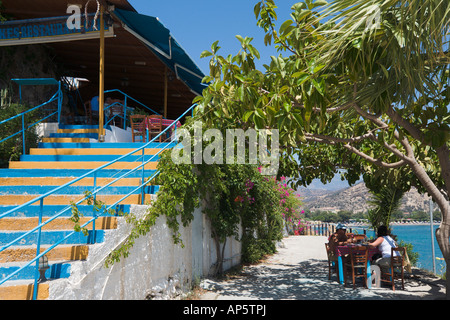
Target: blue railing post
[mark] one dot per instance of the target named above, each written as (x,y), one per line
(59,101)
(143,175)
(23,132)
(94,240)
(125,114)
(38,250)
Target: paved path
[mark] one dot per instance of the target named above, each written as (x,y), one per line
(299,271)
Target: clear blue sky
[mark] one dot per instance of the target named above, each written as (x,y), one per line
(196,24)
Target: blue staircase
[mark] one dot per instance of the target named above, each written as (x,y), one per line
(59,159)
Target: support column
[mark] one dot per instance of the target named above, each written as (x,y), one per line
(101,95)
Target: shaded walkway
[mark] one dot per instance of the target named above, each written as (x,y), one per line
(299,271)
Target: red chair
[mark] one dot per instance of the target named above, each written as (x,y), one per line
(155,126)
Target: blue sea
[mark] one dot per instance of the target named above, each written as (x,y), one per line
(420,237)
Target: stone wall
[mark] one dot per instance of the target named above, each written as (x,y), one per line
(155,269)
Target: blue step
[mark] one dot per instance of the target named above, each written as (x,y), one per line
(73,190)
(74,173)
(74,135)
(109,145)
(51,237)
(52,210)
(79,126)
(55,271)
(87,158)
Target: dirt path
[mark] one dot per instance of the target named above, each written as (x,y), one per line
(299,271)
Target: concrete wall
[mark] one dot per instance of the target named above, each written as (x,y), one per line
(155,269)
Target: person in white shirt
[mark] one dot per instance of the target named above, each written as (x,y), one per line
(384,242)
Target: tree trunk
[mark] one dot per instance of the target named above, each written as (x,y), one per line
(442,236)
(443,232)
(219,264)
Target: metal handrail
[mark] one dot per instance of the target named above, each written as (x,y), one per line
(56,97)
(95,191)
(129,97)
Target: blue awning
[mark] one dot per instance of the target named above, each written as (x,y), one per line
(158,38)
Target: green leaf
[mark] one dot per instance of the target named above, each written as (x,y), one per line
(257,9)
(241,40)
(298,6)
(247,115)
(386,74)
(319,3)
(285,24)
(205,54)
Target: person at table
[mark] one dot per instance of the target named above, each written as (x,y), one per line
(339,238)
(384,242)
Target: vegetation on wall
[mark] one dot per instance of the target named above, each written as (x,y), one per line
(238,201)
(12,149)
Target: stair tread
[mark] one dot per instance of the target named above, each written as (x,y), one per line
(58,160)
(22,263)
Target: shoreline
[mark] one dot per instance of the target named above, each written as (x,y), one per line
(412,223)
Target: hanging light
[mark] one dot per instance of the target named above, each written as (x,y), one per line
(43,266)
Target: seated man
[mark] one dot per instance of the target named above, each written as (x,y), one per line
(339,238)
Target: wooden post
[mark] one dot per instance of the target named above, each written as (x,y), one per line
(101,95)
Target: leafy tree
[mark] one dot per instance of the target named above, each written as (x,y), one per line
(358,85)
(234,198)
(386,201)
(12,149)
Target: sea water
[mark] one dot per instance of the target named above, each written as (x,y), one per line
(419,236)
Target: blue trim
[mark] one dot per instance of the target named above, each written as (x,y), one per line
(108,145)
(52,210)
(64,173)
(74,135)
(56,271)
(72,190)
(51,237)
(84,158)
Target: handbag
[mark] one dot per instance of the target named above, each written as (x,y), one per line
(375,257)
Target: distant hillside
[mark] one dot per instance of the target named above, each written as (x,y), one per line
(355,199)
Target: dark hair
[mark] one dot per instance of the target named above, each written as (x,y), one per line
(382,231)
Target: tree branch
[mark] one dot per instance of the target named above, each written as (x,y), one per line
(408,126)
(333,141)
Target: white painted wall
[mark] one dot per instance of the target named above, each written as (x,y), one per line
(155,268)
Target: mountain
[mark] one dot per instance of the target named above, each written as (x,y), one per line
(355,199)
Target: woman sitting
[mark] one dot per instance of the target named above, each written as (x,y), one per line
(384,242)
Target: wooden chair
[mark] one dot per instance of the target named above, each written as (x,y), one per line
(117,114)
(396,271)
(359,237)
(356,264)
(88,112)
(332,262)
(138,129)
(155,126)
